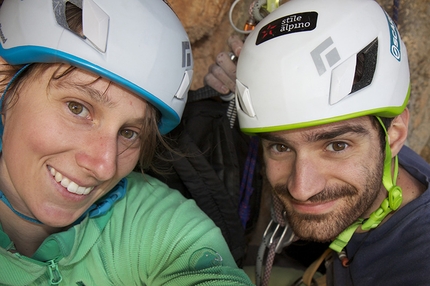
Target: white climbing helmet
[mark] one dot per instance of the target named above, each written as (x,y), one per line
(139,44)
(312,62)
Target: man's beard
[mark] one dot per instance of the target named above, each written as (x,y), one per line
(326,227)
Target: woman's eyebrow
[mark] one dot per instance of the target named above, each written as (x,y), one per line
(97,96)
(94,94)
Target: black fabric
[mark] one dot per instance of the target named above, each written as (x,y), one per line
(211,165)
(205,92)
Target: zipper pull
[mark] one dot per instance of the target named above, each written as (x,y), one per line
(54,274)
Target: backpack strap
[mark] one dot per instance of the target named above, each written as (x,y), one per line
(308,276)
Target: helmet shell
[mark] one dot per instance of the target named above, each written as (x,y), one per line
(300,66)
(138,44)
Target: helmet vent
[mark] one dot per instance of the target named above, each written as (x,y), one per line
(243,99)
(69,15)
(365,67)
(84,19)
(74,18)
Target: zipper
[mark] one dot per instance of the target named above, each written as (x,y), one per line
(54,274)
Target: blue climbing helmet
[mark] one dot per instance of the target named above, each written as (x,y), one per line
(138,44)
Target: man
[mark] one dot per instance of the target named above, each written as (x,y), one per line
(325,85)
(85,98)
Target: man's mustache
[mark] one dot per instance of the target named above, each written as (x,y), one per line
(326,195)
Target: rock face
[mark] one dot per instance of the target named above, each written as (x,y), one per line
(208,25)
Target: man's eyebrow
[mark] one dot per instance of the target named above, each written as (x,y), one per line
(271,137)
(336,132)
(314,136)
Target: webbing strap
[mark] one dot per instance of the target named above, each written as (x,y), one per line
(309,274)
(392,202)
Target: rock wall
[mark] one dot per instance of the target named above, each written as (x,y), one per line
(207,22)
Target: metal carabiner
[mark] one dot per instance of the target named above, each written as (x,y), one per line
(282,235)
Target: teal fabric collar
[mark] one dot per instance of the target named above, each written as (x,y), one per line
(59,245)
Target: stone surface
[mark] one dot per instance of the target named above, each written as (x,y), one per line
(208,26)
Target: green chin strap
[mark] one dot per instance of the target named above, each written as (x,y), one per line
(391,203)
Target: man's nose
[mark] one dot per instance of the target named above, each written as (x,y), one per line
(307,178)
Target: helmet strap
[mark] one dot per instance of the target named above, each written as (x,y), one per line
(391,203)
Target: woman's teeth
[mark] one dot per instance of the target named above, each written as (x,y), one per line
(69,185)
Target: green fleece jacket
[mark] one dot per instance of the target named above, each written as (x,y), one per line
(153,236)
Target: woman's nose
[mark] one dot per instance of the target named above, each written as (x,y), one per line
(99,156)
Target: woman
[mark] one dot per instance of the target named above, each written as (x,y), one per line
(88,88)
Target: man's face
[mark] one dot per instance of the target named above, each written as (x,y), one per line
(326,176)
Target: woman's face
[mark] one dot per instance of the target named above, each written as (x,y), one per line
(65,146)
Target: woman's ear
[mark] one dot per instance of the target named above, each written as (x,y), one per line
(398,132)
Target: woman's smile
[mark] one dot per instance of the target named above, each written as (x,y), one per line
(71,186)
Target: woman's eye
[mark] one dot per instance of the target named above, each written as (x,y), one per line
(128,134)
(337,146)
(78,109)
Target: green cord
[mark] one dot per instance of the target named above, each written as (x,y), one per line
(391,203)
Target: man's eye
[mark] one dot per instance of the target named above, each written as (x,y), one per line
(337,146)
(280,148)
(78,109)
(128,134)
